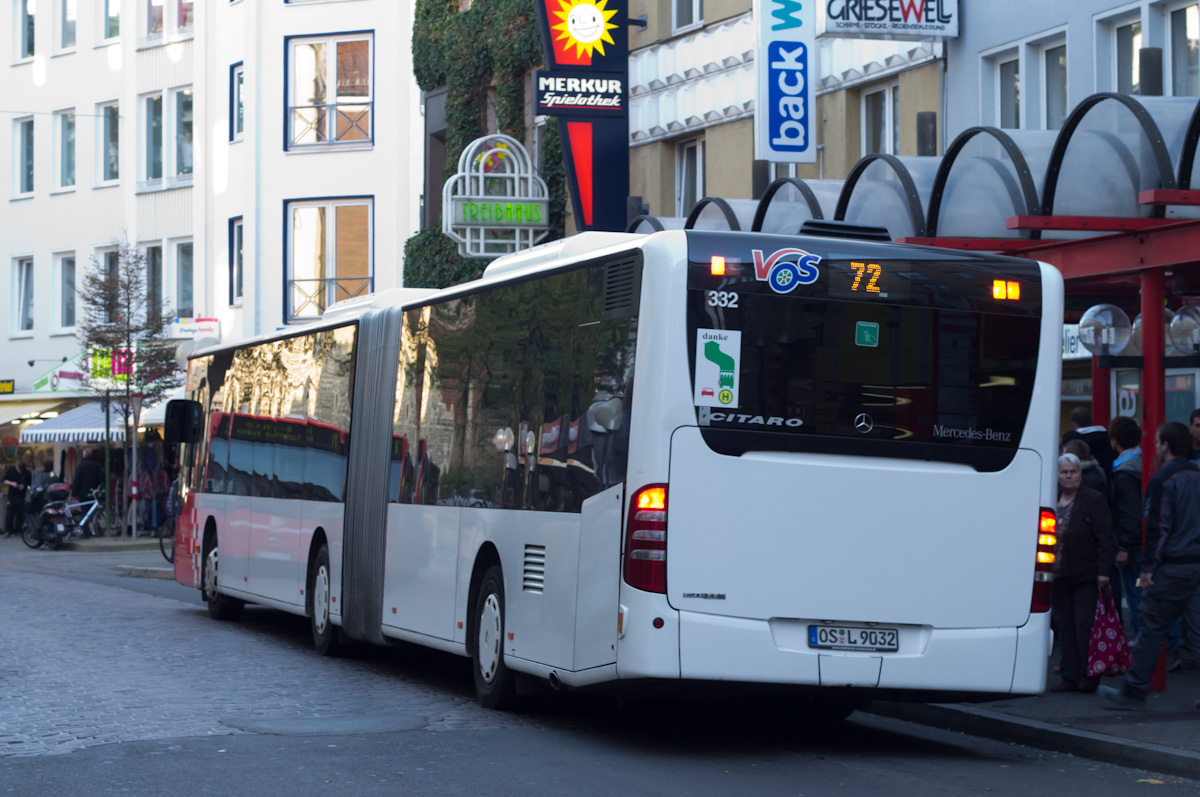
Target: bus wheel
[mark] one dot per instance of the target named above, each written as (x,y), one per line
(494,682)
(220,607)
(324,633)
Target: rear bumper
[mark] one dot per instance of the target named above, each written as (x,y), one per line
(985,660)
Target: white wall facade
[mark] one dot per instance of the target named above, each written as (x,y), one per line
(257,175)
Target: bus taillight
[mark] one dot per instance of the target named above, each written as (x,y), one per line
(646,539)
(1043,569)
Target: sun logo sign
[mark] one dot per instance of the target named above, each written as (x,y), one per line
(584,24)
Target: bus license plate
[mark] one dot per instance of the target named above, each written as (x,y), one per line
(832,637)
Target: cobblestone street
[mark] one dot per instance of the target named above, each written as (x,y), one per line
(84,664)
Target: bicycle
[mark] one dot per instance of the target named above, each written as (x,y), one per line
(92,511)
(166,539)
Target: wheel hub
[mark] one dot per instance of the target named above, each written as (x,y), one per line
(210,575)
(490,626)
(321,599)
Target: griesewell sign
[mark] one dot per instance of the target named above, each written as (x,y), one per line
(893,19)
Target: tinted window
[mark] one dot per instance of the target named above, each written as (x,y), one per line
(518,397)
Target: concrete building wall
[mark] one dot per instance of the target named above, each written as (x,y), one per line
(728,157)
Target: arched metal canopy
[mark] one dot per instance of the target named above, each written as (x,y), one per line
(887,191)
(714,213)
(789,202)
(648,224)
(1112,147)
(986,177)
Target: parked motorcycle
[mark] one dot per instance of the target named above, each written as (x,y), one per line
(46,521)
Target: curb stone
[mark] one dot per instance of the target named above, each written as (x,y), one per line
(133,571)
(979,721)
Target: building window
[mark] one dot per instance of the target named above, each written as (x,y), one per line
(183,131)
(236,261)
(880,121)
(154,17)
(154,282)
(1185,58)
(185,15)
(1128,43)
(152,116)
(23,141)
(687,12)
(1056,86)
(109,260)
(27,17)
(184,296)
(237,105)
(318,116)
(109,118)
(112,19)
(65,131)
(66,40)
(65,288)
(689,176)
(329,246)
(22,308)
(1008,93)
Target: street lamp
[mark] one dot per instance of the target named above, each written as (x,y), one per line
(31,362)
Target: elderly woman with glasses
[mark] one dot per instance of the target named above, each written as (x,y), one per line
(1086,551)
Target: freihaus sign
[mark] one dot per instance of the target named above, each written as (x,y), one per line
(783,102)
(919,19)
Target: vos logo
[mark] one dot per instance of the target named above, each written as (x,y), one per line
(785,269)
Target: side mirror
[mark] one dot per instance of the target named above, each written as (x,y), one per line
(184,422)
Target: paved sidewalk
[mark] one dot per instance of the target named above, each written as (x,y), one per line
(1165,737)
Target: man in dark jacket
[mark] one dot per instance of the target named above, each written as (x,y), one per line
(16,478)
(1126,496)
(1194,424)
(1170,579)
(88,476)
(1095,436)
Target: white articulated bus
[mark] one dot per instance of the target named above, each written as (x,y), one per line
(799,460)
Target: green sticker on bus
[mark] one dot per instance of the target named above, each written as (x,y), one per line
(866,333)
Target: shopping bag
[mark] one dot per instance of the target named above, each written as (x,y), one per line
(1108,653)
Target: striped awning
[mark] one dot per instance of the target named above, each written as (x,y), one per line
(84,424)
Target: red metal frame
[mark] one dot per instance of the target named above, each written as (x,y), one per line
(1082,223)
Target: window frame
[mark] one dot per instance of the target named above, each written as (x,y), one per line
(172,30)
(891,128)
(237,261)
(168,143)
(102,122)
(21,140)
(176,282)
(62,48)
(18,281)
(100,256)
(697,8)
(1001,62)
(151,284)
(103,18)
(1168,30)
(290,144)
(59,150)
(237,101)
(25,30)
(175,176)
(58,294)
(330,247)
(681,149)
(1043,52)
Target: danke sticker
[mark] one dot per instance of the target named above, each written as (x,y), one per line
(718,371)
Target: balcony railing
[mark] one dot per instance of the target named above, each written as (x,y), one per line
(311,297)
(336,123)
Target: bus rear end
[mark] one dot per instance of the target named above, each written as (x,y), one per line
(843,472)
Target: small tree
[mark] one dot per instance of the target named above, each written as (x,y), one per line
(124,330)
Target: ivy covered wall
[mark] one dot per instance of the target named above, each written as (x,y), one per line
(491,45)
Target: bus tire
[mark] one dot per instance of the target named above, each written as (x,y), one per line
(220,607)
(495,684)
(324,632)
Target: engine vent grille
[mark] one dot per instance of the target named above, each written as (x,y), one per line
(620,288)
(534,577)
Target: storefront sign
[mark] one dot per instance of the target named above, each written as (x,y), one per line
(783,121)
(918,19)
(195,328)
(69,376)
(1072,349)
(586,44)
(498,205)
(568,93)
(7,386)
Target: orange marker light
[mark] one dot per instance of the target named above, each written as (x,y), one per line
(718,266)
(1014,290)
(652,498)
(999,291)
(1047,523)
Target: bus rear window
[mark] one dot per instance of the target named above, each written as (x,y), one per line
(790,372)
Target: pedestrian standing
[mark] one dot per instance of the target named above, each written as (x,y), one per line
(1170,578)
(1126,497)
(44,477)
(17,478)
(1093,473)
(1095,436)
(1083,563)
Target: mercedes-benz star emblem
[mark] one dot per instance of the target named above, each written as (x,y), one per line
(863,423)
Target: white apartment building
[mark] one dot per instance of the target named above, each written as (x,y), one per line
(264,153)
